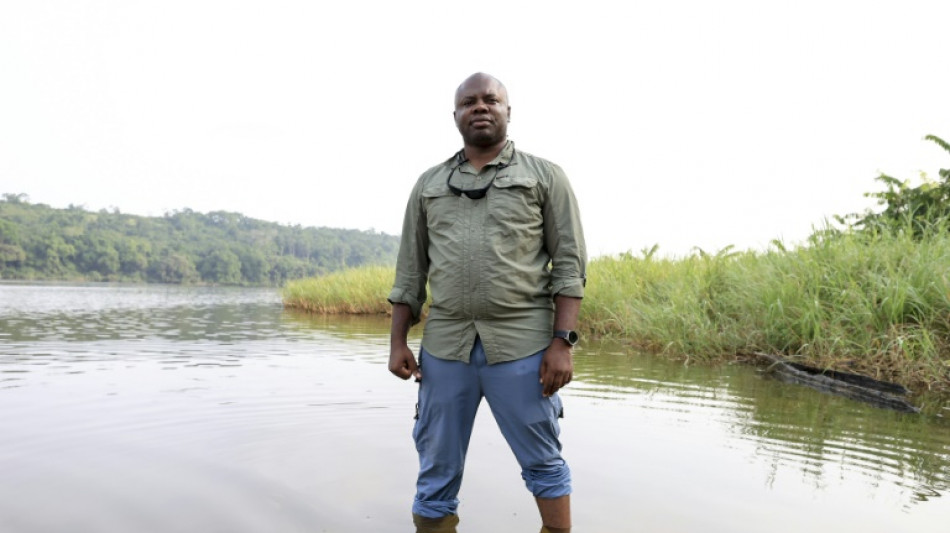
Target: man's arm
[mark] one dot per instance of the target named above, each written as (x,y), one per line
(402,363)
(409,289)
(557,365)
(564,240)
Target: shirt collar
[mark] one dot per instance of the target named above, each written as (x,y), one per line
(504,157)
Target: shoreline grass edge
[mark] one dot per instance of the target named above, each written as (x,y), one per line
(878,305)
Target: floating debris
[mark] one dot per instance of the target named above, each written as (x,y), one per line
(855,386)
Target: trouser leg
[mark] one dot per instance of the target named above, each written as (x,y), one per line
(529,422)
(449,395)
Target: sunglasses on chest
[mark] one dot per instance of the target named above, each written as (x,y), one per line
(475,194)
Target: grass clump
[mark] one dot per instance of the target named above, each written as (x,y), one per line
(360,290)
(877,304)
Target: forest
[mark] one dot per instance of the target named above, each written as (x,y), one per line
(39,242)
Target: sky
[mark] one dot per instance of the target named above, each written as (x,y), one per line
(688,124)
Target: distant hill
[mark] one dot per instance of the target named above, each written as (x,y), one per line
(38,242)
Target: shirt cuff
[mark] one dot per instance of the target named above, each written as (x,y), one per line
(572,287)
(402,296)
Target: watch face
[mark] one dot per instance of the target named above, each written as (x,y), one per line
(571,337)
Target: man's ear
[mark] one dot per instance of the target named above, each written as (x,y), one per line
(509,113)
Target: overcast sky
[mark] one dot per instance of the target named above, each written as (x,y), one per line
(684,123)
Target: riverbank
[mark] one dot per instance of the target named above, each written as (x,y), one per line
(875,305)
(361,290)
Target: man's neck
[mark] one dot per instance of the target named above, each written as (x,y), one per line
(479,156)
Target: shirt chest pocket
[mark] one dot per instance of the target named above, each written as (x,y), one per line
(515,204)
(442,208)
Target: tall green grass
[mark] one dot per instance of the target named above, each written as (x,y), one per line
(875,304)
(354,291)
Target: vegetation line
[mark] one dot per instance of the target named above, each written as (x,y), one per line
(353,291)
(38,242)
(878,305)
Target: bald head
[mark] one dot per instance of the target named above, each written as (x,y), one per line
(480,78)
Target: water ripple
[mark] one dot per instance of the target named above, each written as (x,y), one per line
(104,389)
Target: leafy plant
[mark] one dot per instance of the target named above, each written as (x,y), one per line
(921,209)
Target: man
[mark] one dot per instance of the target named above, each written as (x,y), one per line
(497,235)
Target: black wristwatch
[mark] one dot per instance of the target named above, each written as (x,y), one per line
(570,336)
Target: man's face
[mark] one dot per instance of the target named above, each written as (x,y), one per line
(482,111)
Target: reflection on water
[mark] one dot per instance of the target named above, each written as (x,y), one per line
(788,425)
(131,408)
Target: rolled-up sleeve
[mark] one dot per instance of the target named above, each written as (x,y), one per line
(412,263)
(564,237)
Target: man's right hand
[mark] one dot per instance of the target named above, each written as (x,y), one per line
(403,364)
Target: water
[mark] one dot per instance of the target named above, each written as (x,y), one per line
(169,409)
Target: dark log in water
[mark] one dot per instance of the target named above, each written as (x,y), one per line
(855,386)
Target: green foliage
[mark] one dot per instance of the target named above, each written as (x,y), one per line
(875,303)
(220,265)
(352,291)
(12,255)
(39,242)
(917,209)
(173,267)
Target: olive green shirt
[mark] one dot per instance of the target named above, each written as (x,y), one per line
(494,264)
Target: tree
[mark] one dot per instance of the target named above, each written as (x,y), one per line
(173,268)
(96,254)
(254,265)
(220,266)
(133,256)
(21,198)
(40,242)
(923,207)
(52,255)
(11,255)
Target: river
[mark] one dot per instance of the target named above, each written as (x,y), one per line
(175,409)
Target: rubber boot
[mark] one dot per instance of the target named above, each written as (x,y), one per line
(546,529)
(444,524)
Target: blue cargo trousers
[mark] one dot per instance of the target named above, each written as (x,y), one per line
(449,395)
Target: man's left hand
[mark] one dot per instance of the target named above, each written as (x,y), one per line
(557,367)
